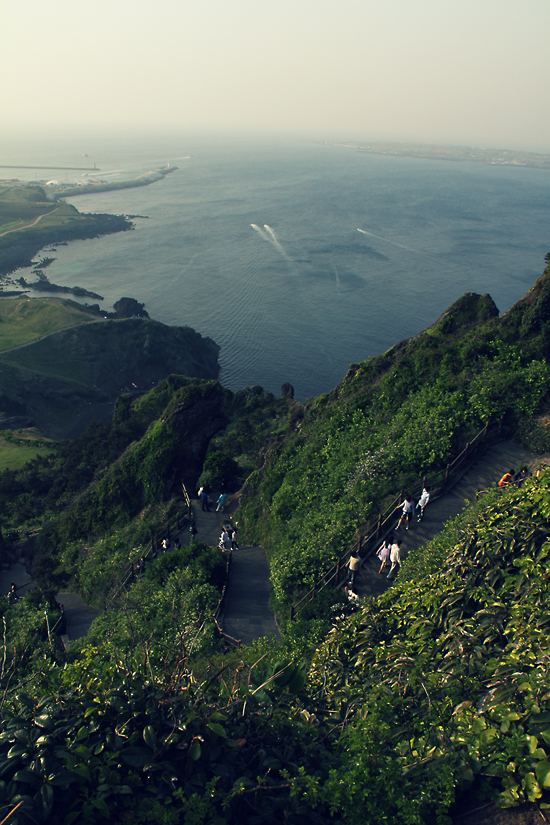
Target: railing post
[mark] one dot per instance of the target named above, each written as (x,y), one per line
(467,448)
(486,429)
(379,528)
(500,423)
(447,473)
(291,612)
(337,571)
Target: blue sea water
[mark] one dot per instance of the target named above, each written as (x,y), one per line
(256,243)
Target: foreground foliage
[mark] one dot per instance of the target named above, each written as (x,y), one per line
(439,686)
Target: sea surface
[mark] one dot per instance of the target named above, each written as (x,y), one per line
(297,258)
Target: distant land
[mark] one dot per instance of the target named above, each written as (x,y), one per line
(474,154)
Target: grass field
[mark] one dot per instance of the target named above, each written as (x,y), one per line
(24,319)
(21,205)
(13,456)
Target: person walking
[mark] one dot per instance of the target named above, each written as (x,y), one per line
(353,565)
(423,501)
(234,545)
(225,541)
(221,502)
(384,552)
(407,513)
(395,557)
(205,500)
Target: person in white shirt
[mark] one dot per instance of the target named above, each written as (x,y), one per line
(423,501)
(408,512)
(395,557)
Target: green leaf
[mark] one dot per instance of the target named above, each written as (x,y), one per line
(102,806)
(44,721)
(81,770)
(195,750)
(542,770)
(136,757)
(26,775)
(150,737)
(46,795)
(213,726)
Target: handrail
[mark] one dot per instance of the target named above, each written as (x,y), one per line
(152,548)
(375,529)
(218,610)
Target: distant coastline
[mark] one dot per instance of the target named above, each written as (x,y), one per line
(473,154)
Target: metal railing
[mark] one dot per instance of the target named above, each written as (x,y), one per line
(216,614)
(368,536)
(152,549)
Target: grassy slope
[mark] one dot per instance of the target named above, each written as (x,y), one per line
(14,455)
(23,319)
(20,206)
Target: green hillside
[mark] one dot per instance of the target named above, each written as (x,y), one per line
(22,320)
(61,382)
(436,692)
(29,221)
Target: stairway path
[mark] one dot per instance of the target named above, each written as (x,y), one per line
(78,616)
(246,615)
(484,473)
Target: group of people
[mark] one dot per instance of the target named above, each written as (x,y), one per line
(228,538)
(166,544)
(511,477)
(409,507)
(206,501)
(389,552)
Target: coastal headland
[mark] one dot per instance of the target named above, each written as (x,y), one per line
(63,365)
(32,216)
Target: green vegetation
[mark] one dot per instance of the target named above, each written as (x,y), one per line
(18,448)
(439,687)
(22,320)
(29,221)
(394,418)
(20,206)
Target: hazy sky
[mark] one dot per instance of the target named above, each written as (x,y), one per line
(454,71)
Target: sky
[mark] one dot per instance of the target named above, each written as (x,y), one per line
(472,72)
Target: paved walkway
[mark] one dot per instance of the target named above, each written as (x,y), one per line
(246,615)
(79,616)
(483,474)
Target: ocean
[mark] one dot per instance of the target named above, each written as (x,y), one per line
(297,258)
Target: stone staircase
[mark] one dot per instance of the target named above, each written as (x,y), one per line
(484,472)
(246,614)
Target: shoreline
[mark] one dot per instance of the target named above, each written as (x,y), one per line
(472,154)
(23,243)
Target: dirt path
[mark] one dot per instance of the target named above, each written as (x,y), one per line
(28,226)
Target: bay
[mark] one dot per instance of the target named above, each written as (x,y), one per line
(256,243)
